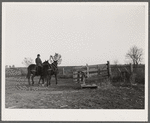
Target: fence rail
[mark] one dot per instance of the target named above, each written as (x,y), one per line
(102,70)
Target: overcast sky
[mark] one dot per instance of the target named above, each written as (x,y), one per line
(81,32)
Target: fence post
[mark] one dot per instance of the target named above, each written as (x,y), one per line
(63,71)
(78,76)
(98,67)
(109,69)
(132,76)
(131,68)
(87,70)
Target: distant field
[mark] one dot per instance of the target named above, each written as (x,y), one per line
(67,71)
(18,71)
(68,95)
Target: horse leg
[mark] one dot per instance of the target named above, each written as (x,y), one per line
(29,80)
(33,79)
(56,78)
(49,80)
(28,77)
(43,78)
(40,80)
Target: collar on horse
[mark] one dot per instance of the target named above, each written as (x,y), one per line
(54,67)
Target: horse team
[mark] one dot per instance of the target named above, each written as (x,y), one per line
(45,72)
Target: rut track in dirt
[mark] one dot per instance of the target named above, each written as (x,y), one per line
(69,95)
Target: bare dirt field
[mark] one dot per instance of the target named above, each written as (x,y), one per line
(69,95)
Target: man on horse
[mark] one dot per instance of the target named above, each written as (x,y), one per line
(39,64)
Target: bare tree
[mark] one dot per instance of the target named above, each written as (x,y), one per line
(27,61)
(135,55)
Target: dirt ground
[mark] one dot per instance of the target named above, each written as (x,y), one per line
(69,95)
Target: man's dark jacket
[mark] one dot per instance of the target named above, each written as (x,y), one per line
(38,62)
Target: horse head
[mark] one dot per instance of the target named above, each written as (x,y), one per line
(45,62)
(55,62)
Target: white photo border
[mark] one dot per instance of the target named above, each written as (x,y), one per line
(75,114)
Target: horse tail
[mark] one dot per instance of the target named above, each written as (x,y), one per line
(28,72)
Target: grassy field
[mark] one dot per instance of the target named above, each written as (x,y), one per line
(69,95)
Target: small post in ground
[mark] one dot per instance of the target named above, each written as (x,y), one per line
(87,70)
(109,69)
(63,71)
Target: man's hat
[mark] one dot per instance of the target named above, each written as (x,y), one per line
(38,55)
(56,54)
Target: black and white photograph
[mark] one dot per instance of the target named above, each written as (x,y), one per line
(75,61)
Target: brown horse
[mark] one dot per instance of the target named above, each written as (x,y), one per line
(34,71)
(49,70)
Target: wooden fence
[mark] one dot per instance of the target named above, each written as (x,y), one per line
(101,70)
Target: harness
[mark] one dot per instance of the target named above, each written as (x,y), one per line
(54,67)
(51,67)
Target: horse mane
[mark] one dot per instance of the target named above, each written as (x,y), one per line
(46,61)
(52,65)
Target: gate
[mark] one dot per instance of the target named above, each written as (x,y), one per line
(80,74)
